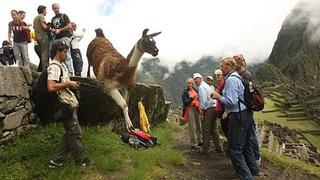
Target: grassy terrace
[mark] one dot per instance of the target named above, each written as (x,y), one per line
(27,157)
(279,118)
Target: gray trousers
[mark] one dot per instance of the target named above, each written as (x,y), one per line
(194,122)
(71,141)
(210,130)
(68,62)
(43,43)
(20,51)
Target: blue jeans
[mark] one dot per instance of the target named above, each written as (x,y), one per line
(241,130)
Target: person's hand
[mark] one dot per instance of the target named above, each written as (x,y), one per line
(57,31)
(215,95)
(10,42)
(224,115)
(72,84)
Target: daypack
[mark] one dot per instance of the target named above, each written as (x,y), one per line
(45,101)
(253,98)
(139,139)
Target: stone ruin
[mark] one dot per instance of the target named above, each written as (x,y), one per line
(16,111)
(292,143)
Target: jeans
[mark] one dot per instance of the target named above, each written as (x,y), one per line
(68,62)
(77,61)
(241,129)
(224,126)
(71,141)
(43,43)
(20,50)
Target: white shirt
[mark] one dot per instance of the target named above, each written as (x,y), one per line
(76,37)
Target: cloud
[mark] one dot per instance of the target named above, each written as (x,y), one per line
(190,28)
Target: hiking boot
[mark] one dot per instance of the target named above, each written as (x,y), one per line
(55,163)
(85,162)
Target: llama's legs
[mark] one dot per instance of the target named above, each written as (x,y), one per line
(125,95)
(115,94)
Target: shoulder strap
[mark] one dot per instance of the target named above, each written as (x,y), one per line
(61,72)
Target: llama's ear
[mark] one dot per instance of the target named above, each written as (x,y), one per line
(145,31)
(154,34)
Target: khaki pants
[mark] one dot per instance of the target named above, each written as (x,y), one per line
(194,122)
(210,130)
(71,141)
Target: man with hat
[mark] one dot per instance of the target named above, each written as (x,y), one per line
(209,119)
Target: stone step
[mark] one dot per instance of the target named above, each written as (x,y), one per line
(297,109)
(296,115)
(313,102)
(296,106)
(271,110)
(294,102)
(297,119)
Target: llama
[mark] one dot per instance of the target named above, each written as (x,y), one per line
(116,72)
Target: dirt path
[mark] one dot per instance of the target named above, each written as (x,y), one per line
(218,166)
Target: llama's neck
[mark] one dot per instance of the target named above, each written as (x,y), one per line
(135,56)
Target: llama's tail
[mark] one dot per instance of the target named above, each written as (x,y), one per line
(99,33)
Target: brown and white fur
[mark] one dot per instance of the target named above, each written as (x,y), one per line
(117,72)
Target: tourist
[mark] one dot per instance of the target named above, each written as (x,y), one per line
(75,49)
(247,76)
(67,111)
(41,35)
(220,107)
(20,39)
(240,121)
(63,32)
(210,82)
(209,119)
(191,113)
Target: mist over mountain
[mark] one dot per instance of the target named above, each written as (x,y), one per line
(153,72)
(296,51)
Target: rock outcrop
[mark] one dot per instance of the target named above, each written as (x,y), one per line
(97,107)
(16,112)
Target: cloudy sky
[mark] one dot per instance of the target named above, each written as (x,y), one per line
(190,28)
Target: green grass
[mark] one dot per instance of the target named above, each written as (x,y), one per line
(28,155)
(313,139)
(273,117)
(288,162)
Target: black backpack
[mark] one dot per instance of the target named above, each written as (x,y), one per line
(45,102)
(253,98)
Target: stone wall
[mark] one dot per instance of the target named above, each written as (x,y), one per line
(15,107)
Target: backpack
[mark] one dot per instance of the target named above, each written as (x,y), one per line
(253,98)
(45,102)
(139,139)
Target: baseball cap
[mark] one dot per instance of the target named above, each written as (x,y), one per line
(210,77)
(197,75)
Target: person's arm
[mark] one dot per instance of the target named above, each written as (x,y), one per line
(54,86)
(79,35)
(67,27)
(186,99)
(231,96)
(202,98)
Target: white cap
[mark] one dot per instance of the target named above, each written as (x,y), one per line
(210,77)
(197,75)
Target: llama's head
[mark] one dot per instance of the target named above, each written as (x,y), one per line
(147,43)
